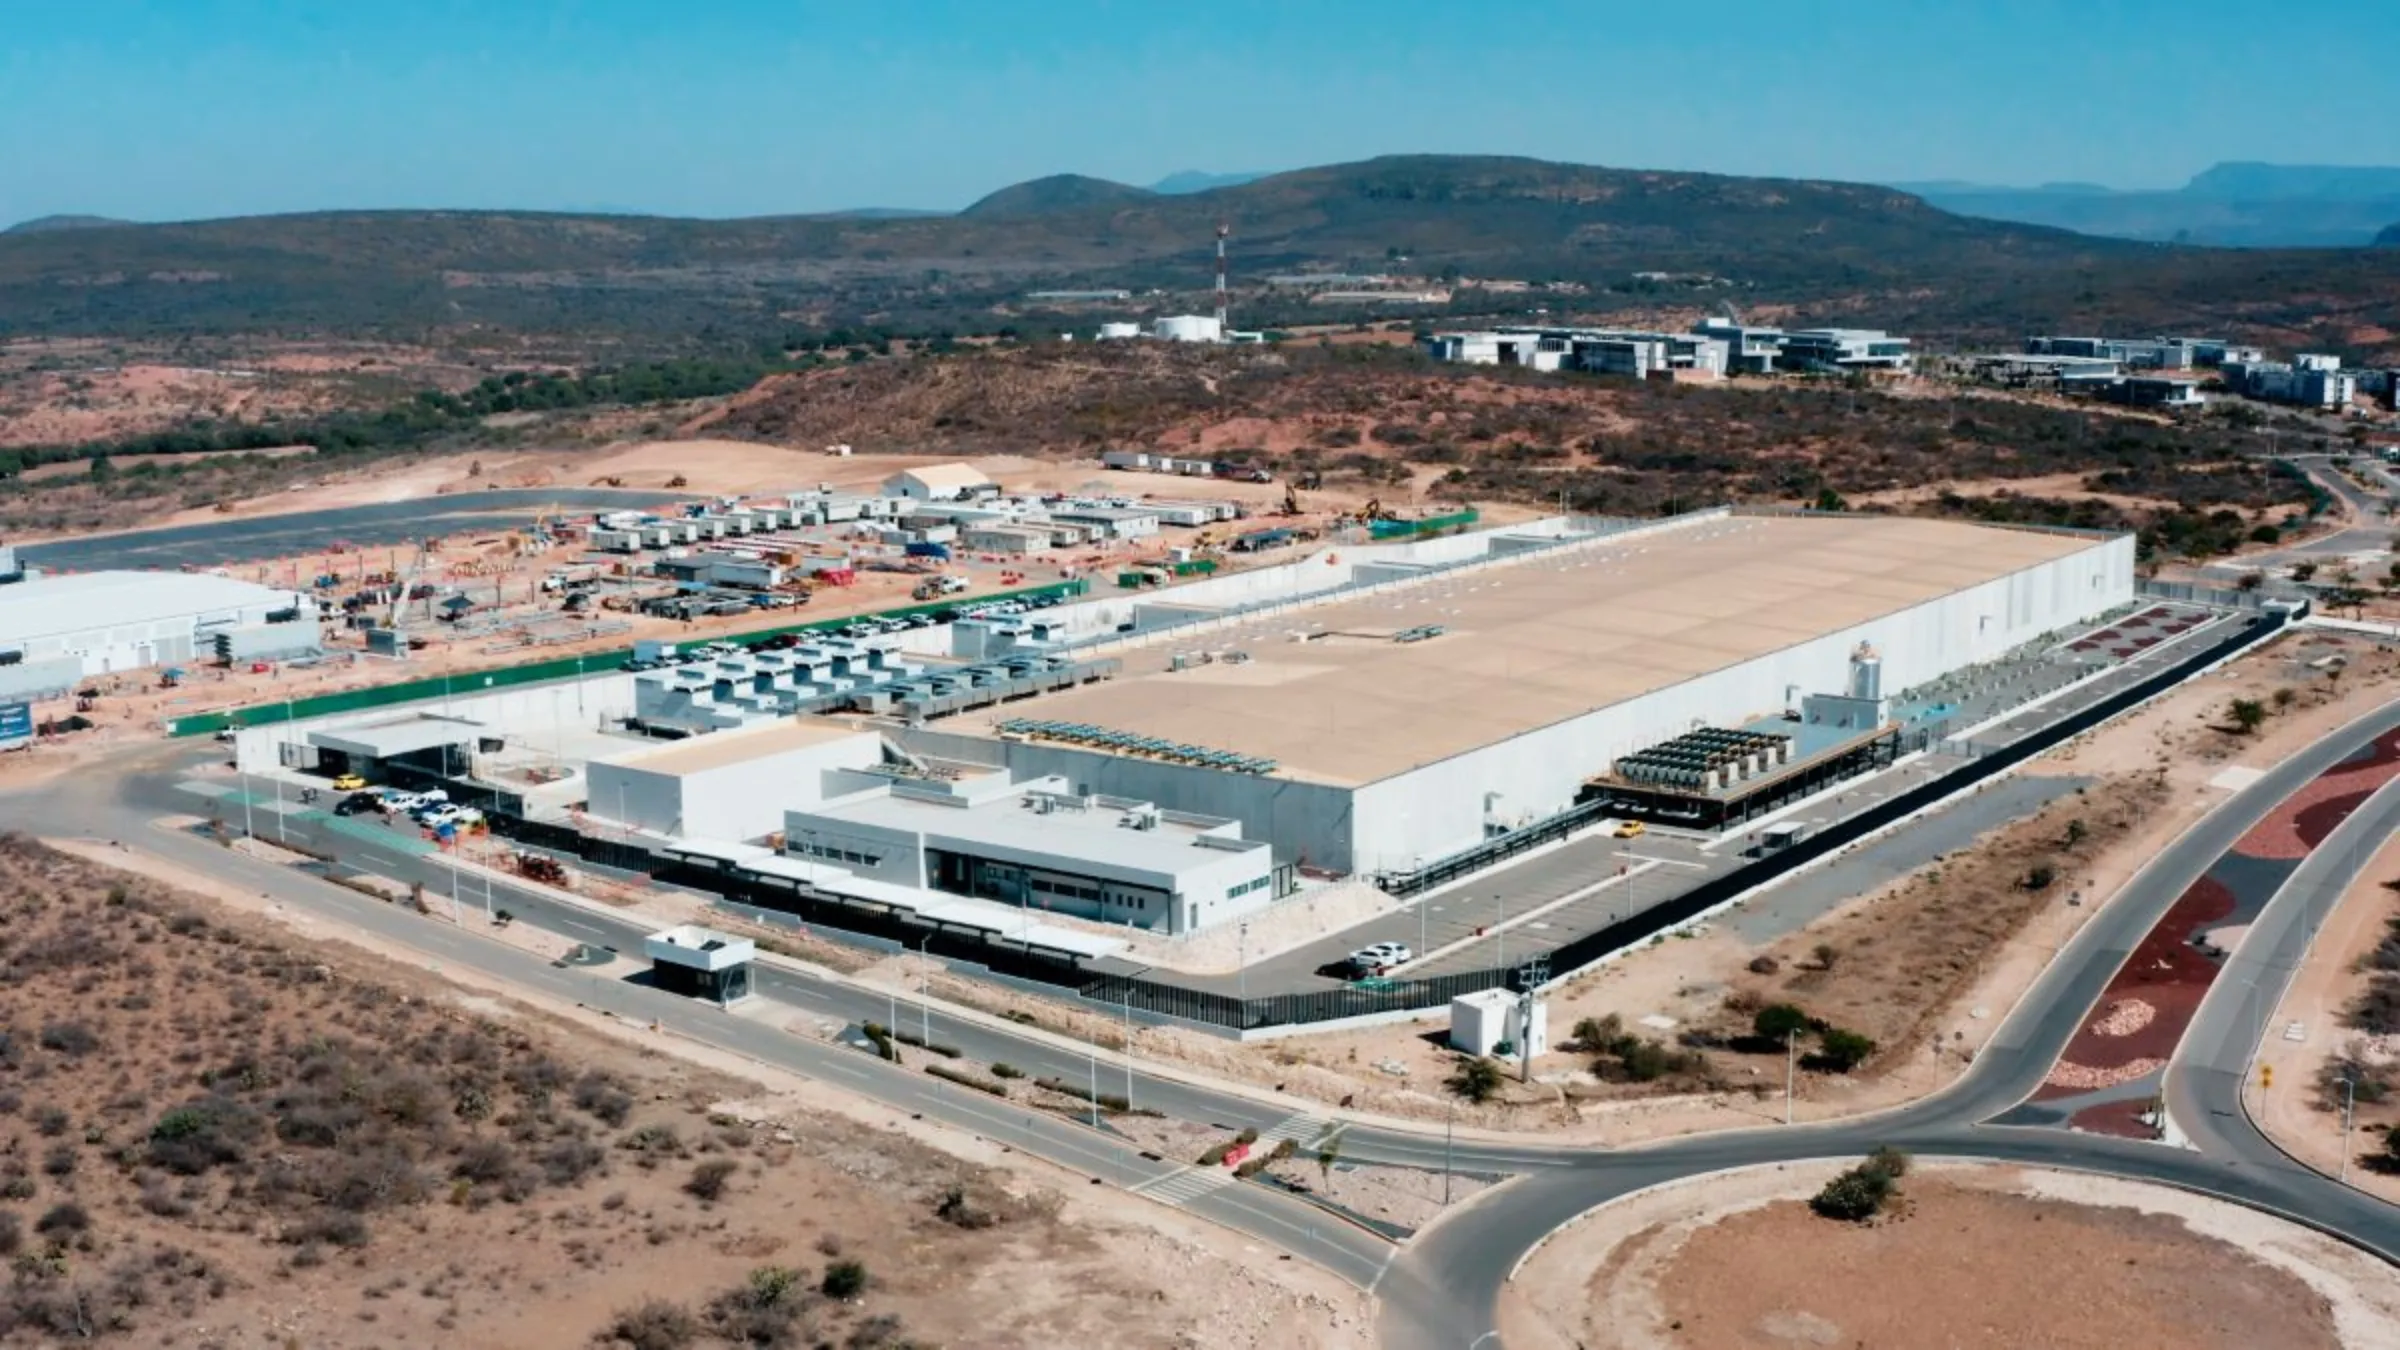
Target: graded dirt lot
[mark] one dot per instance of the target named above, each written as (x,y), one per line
(214,1133)
(1972,1257)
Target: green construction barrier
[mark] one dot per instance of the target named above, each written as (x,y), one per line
(1414,529)
(535,672)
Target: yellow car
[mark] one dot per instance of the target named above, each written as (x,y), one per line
(349,782)
(1629,829)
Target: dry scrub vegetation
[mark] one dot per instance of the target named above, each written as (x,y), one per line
(209,1136)
(1887,967)
(1384,417)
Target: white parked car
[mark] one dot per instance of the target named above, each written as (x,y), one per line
(1380,957)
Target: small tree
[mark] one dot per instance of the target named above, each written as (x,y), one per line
(843,1280)
(1842,1051)
(1477,1079)
(2284,699)
(2251,581)
(2247,713)
(2303,571)
(1329,1152)
(1776,1021)
(1825,954)
(2077,832)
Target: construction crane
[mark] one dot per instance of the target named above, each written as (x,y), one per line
(395,621)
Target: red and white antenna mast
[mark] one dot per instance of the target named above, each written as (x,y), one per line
(1223,230)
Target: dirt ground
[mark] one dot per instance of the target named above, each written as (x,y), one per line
(2303,1119)
(1973,1256)
(486,1172)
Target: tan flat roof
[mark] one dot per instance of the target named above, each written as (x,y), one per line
(715,750)
(1535,642)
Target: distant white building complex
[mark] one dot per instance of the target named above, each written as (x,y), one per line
(2158,353)
(2310,380)
(1715,347)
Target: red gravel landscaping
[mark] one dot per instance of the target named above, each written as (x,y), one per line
(2171,974)
(2301,821)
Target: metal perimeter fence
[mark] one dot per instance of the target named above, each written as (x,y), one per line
(1207,1008)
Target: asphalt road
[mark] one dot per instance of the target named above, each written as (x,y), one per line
(1442,1289)
(252,538)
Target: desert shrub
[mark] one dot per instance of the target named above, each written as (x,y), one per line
(708,1180)
(770,1309)
(60,1160)
(158,1200)
(1842,1051)
(1007,1071)
(966,1079)
(52,1121)
(653,1325)
(880,1332)
(75,1039)
(2348,1075)
(484,1162)
(1861,1192)
(327,1226)
(569,1161)
(367,1179)
(212,1132)
(599,1095)
(64,1220)
(2376,1010)
(843,1280)
(658,1140)
(960,1210)
(1477,1079)
(1763,964)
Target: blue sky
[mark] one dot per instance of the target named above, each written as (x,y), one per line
(177,109)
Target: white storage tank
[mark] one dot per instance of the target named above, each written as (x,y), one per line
(1187,328)
(1112,331)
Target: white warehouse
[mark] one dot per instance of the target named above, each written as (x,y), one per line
(1353,748)
(103,622)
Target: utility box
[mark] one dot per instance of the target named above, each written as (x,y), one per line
(702,963)
(1483,1020)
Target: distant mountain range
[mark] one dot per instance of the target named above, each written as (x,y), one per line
(1193,180)
(2242,205)
(49,224)
(1852,252)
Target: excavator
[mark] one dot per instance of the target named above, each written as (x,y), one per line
(1291,501)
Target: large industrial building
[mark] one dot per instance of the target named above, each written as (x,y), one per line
(57,630)
(1176,759)
(1376,732)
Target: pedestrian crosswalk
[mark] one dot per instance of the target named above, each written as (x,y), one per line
(1301,1130)
(1184,1185)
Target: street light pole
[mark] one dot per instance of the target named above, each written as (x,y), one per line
(925,985)
(1129,1046)
(1449,1149)
(1791,1066)
(1241,963)
(2349,1110)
